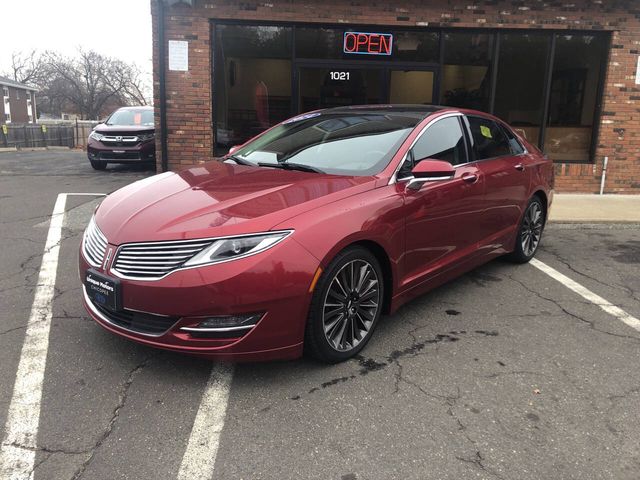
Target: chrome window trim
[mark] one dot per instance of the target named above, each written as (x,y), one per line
(210,240)
(394,178)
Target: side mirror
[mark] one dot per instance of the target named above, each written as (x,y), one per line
(429,170)
(233,149)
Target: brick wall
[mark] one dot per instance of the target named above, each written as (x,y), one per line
(189,115)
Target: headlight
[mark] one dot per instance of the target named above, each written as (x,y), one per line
(233,248)
(146,136)
(96,136)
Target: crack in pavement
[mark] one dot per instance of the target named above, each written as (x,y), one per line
(91,451)
(575,316)
(479,461)
(368,365)
(629,291)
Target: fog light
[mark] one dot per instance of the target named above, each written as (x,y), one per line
(226,323)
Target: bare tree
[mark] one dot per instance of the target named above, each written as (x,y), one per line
(89,84)
(27,67)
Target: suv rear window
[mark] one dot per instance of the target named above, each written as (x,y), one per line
(489,140)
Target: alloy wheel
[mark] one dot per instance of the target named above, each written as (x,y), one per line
(531,228)
(350,305)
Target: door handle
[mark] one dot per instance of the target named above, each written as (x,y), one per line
(470,177)
(519,167)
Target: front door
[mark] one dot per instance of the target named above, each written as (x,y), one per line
(346,83)
(443,217)
(327,87)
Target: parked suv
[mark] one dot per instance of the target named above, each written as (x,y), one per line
(126,136)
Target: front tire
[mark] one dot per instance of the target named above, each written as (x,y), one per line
(345,307)
(98,164)
(530,232)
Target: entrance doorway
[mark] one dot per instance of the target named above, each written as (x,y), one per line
(323,87)
(342,84)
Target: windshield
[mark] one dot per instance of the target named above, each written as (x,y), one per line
(131,118)
(344,143)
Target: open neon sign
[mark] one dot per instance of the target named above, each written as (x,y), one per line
(365,43)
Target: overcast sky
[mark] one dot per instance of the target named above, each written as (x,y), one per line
(116,28)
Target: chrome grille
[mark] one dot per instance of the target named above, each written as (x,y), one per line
(153,260)
(94,244)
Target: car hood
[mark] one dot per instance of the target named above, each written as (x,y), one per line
(217,199)
(110,129)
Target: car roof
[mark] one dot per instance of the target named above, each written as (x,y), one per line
(137,107)
(417,110)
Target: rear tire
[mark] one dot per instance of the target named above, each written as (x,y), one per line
(530,232)
(98,164)
(345,307)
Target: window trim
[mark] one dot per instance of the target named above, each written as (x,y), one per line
(394,178)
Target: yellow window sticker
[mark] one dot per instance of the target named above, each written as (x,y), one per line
(485,131)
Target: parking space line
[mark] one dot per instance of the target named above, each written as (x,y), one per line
(587,294)
(18,449)
(199,458)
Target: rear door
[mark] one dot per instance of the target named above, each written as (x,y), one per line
(506,175)
(442,218)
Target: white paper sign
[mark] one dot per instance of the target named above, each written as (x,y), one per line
(178,55)
(638,72)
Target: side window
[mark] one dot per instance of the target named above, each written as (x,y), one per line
(489,140)
(514,143)
(442,141)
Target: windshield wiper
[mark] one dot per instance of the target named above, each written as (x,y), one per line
(239,160)
(291,166)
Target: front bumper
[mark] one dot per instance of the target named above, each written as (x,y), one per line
(275,282)
(114,153)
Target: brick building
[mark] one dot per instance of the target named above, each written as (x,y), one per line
(18,102)
(563,73)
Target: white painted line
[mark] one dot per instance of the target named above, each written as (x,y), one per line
(587,294)
(200,456)
(17,453)
(18,449)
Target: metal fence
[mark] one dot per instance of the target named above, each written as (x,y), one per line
(47,133)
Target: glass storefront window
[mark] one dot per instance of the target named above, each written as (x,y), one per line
(252,81)
(261,77)
(416,47)
(318,42)
(466,71)
(412,86)
(522,69)
(574,89)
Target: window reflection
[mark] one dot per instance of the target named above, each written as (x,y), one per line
(521,79)
(466,72)
(574,90)
(252,81)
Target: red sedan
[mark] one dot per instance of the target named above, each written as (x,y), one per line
(305,235)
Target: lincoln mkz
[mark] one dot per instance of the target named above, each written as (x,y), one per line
(298,240)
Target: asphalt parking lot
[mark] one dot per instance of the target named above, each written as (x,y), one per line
(504,373)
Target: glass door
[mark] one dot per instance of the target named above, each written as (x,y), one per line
(326,87)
